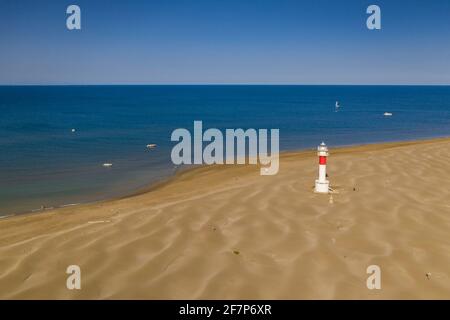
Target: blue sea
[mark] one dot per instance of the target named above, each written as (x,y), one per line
(44,163)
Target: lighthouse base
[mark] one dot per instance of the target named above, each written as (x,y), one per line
(322,186)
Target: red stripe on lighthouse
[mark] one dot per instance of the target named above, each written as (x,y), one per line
(322,160)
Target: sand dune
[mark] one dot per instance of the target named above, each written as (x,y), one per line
(226,232)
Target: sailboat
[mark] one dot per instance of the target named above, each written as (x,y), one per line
(337,105)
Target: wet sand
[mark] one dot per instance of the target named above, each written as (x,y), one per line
(225,232)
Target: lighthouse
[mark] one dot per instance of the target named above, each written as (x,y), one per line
(322,184)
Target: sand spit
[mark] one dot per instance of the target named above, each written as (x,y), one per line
(225,232)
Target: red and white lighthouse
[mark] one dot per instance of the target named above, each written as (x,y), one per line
(322,184)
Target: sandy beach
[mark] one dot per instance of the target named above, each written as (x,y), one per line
(226,232)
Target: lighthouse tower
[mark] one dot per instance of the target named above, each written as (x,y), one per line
(322,184)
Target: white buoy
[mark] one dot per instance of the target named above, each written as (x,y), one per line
(322,184)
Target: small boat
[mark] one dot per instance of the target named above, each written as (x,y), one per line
(107,164)
(387,114)
(151,145)
(337,105)
(73,130)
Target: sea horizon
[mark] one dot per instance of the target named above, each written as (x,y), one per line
(229,84)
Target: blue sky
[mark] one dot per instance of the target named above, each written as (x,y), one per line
(211,41)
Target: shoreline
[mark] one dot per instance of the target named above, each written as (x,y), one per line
(226,232)
(179,172)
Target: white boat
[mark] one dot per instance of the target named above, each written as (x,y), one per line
(107,164)
(387,114)
(337,104)
(151,145)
